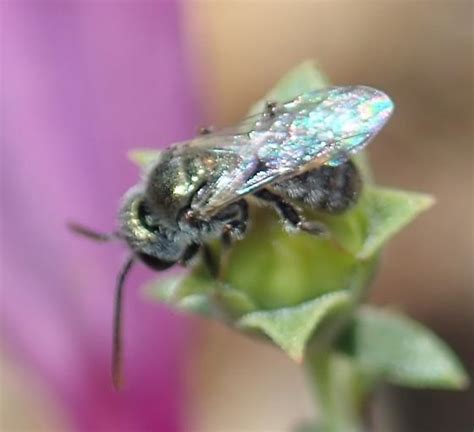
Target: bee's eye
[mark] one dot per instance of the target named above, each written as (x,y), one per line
(145,218)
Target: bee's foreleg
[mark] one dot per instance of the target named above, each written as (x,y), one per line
(207,257)
(190,253)
(291,214)
(235,217)
(210,261)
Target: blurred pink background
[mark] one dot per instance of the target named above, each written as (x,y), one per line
(84,82)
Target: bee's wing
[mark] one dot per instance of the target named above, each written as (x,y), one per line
(316,128)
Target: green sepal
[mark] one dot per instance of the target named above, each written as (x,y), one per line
(291,328)
(391,347)
(286,268)
(387,211)
(201,294)
(301,79)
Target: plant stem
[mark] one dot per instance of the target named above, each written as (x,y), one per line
(340,391)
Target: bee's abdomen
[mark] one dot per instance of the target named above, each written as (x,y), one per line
(330,189)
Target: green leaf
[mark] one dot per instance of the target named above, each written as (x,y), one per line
(340,389)
(303,78)
(196,303)
(291,328)
(234,302)
(286,268)
(144,158)
(179,291)
(277,268)
(402,351)
(379,215)
(202,294)
(165,289)
(387,212)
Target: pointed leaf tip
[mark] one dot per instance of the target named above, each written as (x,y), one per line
(291,328)
(302,78)
(387,212)
(404,352)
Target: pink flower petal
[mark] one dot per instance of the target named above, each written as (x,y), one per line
(84,82)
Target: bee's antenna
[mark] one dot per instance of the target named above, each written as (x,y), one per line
(117,359)
(91,234)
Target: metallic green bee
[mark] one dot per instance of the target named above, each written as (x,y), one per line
(292,153)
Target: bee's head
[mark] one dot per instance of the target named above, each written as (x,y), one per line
(150,242)
(155,244)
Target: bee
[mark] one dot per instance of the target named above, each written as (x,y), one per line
(290,154)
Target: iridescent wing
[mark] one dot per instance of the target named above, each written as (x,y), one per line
(317,128)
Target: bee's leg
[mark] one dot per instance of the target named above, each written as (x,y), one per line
(207,257)
(189,254)
(236,216)
(210,261)
(291,214)
(227,238)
